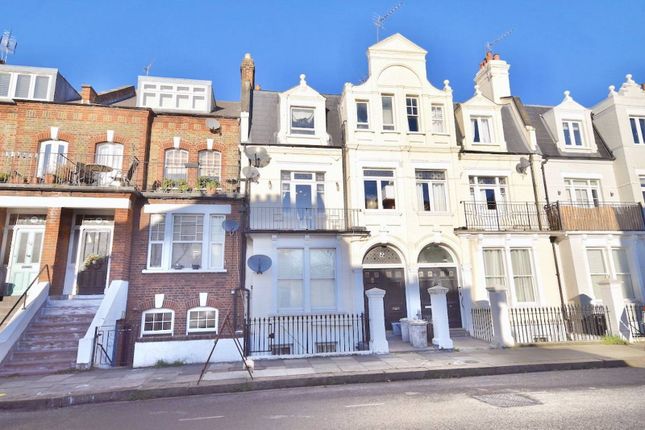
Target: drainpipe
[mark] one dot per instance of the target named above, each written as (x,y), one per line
(535,192)
(546,190)
(553,239)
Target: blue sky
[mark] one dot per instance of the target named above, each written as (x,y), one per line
(583,46)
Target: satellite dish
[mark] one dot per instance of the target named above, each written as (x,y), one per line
(251,173)
(230,226)
(212,124)
(522,165)
(259,263)
(258,156)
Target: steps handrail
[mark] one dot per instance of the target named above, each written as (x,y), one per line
(24,294)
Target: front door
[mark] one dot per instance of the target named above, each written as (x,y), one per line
(93,260)
(26,248)
(445,277)
(393,282)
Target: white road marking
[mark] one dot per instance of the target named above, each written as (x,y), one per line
(364,405)
(201,418)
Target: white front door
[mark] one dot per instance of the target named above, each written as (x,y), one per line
(24,261)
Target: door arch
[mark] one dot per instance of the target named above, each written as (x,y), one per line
(438,266)
(383,268)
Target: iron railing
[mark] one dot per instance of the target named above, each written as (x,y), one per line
(596,217)
(306,334)
(635,313)
(482,323)
(514,216)
(559,324)
(304,219)
(112,345)
(23,296)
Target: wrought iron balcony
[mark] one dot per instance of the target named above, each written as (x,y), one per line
(516,216)
(304,219)
(596,217)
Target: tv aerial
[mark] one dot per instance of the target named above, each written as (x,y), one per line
(258,156)
(147,68)
(259,263)
(379,20)
(489,45)
(8,45)
(251,173)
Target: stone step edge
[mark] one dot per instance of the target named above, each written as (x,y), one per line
(297,382)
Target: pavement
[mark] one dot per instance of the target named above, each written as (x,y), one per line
(470,358)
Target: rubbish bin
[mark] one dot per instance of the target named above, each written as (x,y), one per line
(405,329)
(396,328)
(419,333)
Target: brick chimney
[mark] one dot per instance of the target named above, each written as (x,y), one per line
(493,77)
(88,95)
(247,72)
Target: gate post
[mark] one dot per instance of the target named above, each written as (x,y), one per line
(440,325)
(611,295)
(378,342)
(503,336)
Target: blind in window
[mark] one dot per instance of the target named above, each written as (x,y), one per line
(5,78)
(22,86)
(41,87)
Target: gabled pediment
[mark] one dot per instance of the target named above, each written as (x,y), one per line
(303,90)
(397,43)
(479,100)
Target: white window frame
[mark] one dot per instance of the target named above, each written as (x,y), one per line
(180,241)
(308,131)
(379,187)
(170,331)
(438,119)
(156,241)
(430,184)
(363,125)
(207,240)
(491,129)
(412,110)
(47,164)
(388,126)
(289,180)
(611,271)
(641,178)
(509,275)
(500,188)
(591,185)
(31,90)
(175,160)
(637,124)
(206,329)
(196,95)
(209,165)
(570,133)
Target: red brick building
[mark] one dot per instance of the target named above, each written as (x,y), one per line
(121,194)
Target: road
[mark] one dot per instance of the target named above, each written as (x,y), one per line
(589,399)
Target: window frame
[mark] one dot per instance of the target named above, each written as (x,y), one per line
(217,165)
(388,126)
(363,125)
(641,178)
(206,329)
(170,331)
(302,131)
(180,241)
(430,185)
(288,188)
(478,119)
(412,111)
(177,165)
(569,133)
(379,187)
(570,190)
(611,271)
(46,164)
(509,272)
(499,188)
(638,133)
(438,107)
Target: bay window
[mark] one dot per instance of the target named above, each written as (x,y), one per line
(378,186)
(481,129)
(431,190)
(637,125)
(572,133)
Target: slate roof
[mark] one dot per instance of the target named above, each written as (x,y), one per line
(265,122)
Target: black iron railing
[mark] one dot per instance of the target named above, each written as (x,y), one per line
(596,217)
(635,313)
(307,334)
(559,324)
(515,216)
(482,323)
(304,219)
(112,345)
(23,296)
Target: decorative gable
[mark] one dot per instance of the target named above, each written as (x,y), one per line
(570,123)
(480,121)
(302,116)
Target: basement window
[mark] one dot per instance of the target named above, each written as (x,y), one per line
(157,321)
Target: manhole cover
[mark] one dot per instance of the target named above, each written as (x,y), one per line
(506,400)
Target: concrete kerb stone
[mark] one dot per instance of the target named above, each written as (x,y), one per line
(224,387)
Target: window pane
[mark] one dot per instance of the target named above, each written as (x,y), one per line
(371,194)
(302,118)
(290,294)
(175,164)
(567,135)
(494,268)
(632,123)
(522,275)
(157,226)
(188,227)
(596,261)
(22,86)
(186,254)
(475,124)
(5,78)
(42,85)
(424,196)
(290,263)
(387,193)
(576,133)
(485,130)
(412,110)
(361,115)
(322,263)
(323,293)
(217,255)
(210,164)
(437,119)
(439,197)
(388,112)
(156,250)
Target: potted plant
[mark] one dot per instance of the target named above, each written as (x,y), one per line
(168,184)
(183,187)
(91,260)
(4,177)
(209,184)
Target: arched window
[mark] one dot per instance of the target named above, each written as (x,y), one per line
(175,164)
(157,321)
(210,165)
(202,319)
(382,254)
(111,155)
(435,254)
(51,157)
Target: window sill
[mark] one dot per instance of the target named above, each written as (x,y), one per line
(433,213)
(485,144)
(184,271)
(443,133)
(366,130)
(577,148)
(416,133)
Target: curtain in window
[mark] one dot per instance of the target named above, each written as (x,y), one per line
(494,268)
(439,197)
(485,130)
(523,275)
(302,118)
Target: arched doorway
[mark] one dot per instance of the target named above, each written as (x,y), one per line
(437,266)
(383,268)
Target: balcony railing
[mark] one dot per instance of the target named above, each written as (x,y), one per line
(517,216)
(598,217)
(304,219)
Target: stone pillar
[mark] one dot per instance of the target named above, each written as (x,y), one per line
(121,245)
(419,333)
(611,294)
(378,342)
(501,319)
(405,329)
(440,317)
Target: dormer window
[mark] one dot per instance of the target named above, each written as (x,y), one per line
(171,94)
(362,115)
(302,120)
(387,104)
(638,128)
(481,126)
(412,110)
(572,133)
(26,86)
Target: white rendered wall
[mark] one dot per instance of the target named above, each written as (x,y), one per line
(187,351)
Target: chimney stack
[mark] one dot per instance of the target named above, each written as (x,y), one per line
(493,77)
(88,95)
(247,72)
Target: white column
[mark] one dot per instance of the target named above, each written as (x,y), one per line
(440,317)
(378,342)
(501,320)
(611,294)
